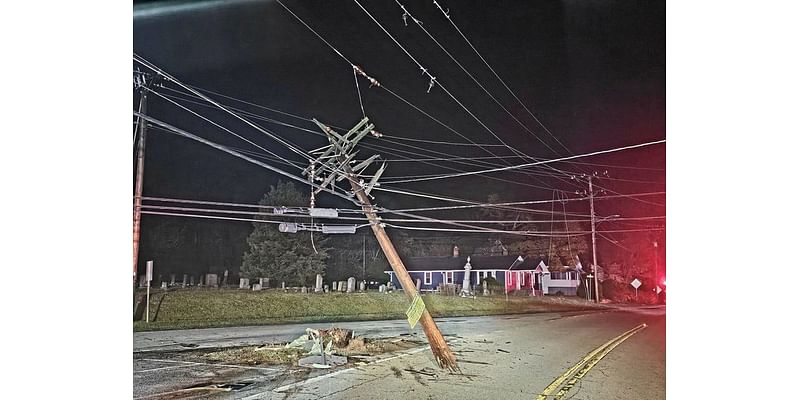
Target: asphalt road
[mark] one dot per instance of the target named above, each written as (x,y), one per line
(512,357)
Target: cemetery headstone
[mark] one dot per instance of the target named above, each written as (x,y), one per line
(318,284)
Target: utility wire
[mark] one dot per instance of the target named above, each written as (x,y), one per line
(222,218)
(385,135)
(540,162)
(447,15)
(209,211)
(183,133)
(222,127)
(433,80)
(380,209)
(419,24)
(358,90)
(208,99)
(370,146)
(374,81)
(315,132)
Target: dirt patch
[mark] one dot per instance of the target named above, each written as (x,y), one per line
(371,347)
(281,355)
(254,355)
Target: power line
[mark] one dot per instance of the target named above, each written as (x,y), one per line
(447,15)
(419,24)
(222,218)
(615,166)
(539,162)
(513,203)
(358,90)
(371,146)
(381,209)
(223,128)
(433,80)
(183,133)
(454,159)
(374,81)
(210,211)
(385,135)
(228,204)
(208,99)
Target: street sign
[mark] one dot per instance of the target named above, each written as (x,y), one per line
(415,310)
(149,271)
(636,283)
(658,290)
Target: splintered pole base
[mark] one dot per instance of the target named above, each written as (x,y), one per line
(441,352)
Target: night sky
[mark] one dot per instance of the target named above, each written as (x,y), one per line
(593,72)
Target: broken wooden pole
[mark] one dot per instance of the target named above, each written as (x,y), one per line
(441,351)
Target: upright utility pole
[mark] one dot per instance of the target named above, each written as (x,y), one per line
(655,264)
(594,245)
(340,150)
(364,259)
(137,199)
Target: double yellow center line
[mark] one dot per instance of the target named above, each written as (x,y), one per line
(579,370)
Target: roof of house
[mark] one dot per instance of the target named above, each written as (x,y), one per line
(449,263)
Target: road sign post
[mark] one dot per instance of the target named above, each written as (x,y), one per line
(147,302)
(636,283)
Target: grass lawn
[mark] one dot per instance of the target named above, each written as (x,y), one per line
(206,308)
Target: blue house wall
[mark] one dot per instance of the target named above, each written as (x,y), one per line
(437,278)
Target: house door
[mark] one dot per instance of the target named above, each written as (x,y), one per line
(511,281)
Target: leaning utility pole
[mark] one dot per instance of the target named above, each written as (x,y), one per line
(137,199)
(337,158)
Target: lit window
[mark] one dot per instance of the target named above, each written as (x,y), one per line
(428,278)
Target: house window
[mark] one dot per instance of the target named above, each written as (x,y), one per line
(448,277)
(428,278)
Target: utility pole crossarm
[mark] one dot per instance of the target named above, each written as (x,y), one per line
(341,145)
